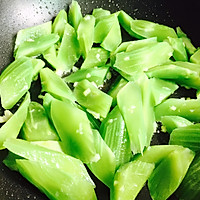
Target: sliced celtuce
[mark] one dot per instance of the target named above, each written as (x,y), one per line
(12,127)
(189,109)
(74,14)
(32,33)
(183,73)
(189,188)
(132,112)
(55,85)
(55,183)
(96,57)
(129,180)
(85,37)
(173,122)
(45,156)
(67,59)
(15,81)
(187,42)
(135,62)
(94,100)
(96,75)
(74,131)
(177,44)
(114,133)
(188,136)
(147,29)
(37,126)
(162,89)
(105,167)
(168,175)
(59,23)
(36,46)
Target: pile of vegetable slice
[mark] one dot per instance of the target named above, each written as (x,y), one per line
(99,102)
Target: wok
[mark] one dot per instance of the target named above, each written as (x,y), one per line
(19,14)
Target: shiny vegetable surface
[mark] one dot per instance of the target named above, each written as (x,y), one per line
(101,99)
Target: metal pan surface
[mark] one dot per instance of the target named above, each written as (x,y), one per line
(19,14)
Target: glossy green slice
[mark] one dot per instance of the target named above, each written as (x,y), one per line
(114,133)
(189,109)
(168,175)
(173,122)
(97,102)
(55,85)
(105,167)
(129,180)
(15,81)
(55,183)
(37,126)
(74,130)
(12,127)
(188,136)
(129,100)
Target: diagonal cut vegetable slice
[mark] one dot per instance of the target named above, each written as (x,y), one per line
(74,130)
(188,136)
(114,133)
(15,81)
(129,180)
(168,175)
(96,102)
(12,127)
(189,109)
(45,156)
(149,29)
(104,168)
(56,184)
(132,112)
(141,59)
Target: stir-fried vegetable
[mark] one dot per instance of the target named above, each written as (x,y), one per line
(99,100)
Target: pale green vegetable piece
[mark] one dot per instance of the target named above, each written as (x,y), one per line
(189,109)
(132,112)
(59,23)
(85,37)
(96,75)
(135,62)
(15,81)
(32,33)
(129,180)
(74,14)
(195,58)
(161,89)
(99,13)
(37,126)
(96,57)
(188,136)
(147,29)
(46,156)
(104,168)
(37,46)
(114,133)
(75,131)
(188,44)
(173,122)
(156,153)
(97,102)
(168,175)
(12,127)
(55,85)
(55,183)
(113,38)
(177,44)
(68,52)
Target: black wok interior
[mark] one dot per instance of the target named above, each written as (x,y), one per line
(19,14)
